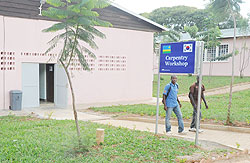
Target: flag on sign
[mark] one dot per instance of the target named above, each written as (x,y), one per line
(187,48)
(166,49)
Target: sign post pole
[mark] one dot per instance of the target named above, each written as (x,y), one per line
(158,94)
(200,53)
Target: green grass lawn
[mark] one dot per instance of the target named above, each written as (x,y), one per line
(185,82)
(26,139)
(217,111)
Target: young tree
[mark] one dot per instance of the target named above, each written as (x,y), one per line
(223,8)
(75,26)
(245,50)
(210,37)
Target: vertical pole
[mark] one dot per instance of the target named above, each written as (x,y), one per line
(201,47)
(158,93)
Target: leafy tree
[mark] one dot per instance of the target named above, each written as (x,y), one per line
(210,37)
(244,53)
(145,14)
(211,40)
(165,37)
(179,16)
(75,26)
(192,30)
(228,23)
(223,8)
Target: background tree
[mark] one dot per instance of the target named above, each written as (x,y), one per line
(244,52)
(192,31)
(210,37)
(179,16)
(223,8)
(165,37)
(211,40)
(145,14)
(76,25)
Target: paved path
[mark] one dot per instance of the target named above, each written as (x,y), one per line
(58,114)
(227,138)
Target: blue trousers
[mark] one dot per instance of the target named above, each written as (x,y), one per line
(178,114)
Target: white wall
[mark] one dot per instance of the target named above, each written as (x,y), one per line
(135,83)
(131,82)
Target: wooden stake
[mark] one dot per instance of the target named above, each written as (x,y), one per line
(99,136)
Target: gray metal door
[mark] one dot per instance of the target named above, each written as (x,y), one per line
(61,87)
(30,85)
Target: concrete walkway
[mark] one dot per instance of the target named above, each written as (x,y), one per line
(227,138)
(58,114)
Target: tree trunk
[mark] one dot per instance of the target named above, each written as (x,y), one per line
(241,74)
(210,71)
(73,102)
(232,80)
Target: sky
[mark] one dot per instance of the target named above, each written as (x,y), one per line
(140,6)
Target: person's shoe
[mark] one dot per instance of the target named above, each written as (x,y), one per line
(200,131)
(182,133)
(192,130)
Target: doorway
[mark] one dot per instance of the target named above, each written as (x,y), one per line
(46,83)
(50,82)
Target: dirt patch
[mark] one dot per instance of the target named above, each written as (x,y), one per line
(29,119)
(215,157)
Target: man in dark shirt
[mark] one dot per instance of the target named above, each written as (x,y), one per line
(193,95)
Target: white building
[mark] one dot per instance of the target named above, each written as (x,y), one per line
(121,72)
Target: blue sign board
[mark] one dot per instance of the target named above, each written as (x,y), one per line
(177,57)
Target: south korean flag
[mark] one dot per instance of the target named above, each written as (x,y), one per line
(187,48)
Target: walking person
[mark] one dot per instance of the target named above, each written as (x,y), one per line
(193,95)
(172,103)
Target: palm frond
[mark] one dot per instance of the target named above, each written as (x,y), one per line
(56,3)
(102,23)
(87,51)
(82,60)
(55,13)
(83,21)
(88,38)
(56,27)
(95,31)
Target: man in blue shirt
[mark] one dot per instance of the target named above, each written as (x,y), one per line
(172,103)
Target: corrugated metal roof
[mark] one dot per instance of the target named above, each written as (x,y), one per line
(228,33)
(185,37)
(139,16)
(29,9)
(225,33)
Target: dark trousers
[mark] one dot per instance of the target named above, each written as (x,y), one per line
(193,123)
